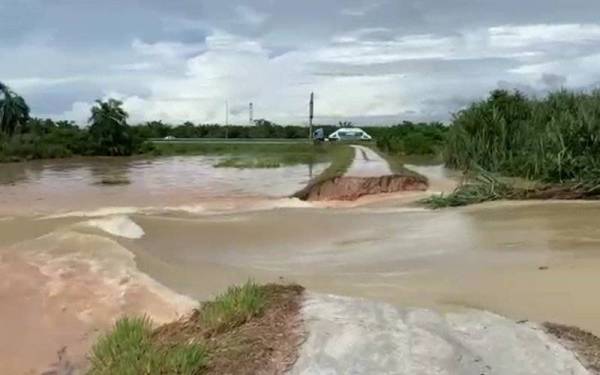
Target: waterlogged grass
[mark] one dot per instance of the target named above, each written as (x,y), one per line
(469,193)
(215,148)
(248,163)
(129,349)
(486,187)
(341,156)
(397,161)
(233,308)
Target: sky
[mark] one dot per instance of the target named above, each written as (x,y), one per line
(367,61)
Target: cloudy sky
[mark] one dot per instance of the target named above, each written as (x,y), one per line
(369,61)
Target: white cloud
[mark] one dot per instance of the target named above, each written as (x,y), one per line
(166,50)
(361,10)
(229,67)
(512,36)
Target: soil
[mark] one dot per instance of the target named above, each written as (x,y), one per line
(267,344)
(351,188)
(585,345)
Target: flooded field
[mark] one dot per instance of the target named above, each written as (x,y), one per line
(77,253)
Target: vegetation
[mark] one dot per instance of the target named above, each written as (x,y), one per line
(109,132)
(341,158)
(241,163)
(554,139)
(481,188)
(233,308)
(14,112)
(241,331)
(130,349)
(410,139)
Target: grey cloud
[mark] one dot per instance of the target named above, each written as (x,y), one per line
(66,51)
(553,81)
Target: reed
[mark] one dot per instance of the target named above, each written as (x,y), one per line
(554,139)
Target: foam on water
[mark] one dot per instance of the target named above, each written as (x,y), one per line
(105,211)
(121,226)
(213,207)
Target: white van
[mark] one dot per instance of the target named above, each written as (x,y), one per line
(349,134)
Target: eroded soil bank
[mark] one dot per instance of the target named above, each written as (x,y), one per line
(347,188)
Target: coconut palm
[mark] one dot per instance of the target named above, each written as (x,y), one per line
(14,112)
(108,128)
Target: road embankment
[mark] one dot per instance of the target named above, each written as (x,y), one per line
(369,174)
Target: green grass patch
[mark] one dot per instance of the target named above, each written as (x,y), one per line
(240,331)
(397,161)
(129,349)
(233,308)
(341,156)
(251,155)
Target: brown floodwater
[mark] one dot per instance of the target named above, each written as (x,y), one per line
(85,253)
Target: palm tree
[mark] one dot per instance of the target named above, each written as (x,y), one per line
(108,128)
(14,112)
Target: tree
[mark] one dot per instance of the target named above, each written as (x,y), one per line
(14,111)
(109,131)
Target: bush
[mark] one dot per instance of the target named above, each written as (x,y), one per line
(410,139)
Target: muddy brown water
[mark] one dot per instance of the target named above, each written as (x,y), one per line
(75,254)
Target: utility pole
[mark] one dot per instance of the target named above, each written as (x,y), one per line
(227,119)
(251,114)
(311,115)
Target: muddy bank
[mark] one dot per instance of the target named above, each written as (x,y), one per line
(347,188)
(585,345)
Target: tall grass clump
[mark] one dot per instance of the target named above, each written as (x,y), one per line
(129,349)
(554,139)
(234,307)
(483,187)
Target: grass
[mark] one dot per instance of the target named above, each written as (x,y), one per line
(233,308)
(129,349)
(481,189)
(484,187)
(232,148)
(247,163)
(237,332)
(396,162)
(114,180)
(552,139)
(252,155)
(341,156)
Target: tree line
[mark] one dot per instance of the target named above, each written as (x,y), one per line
(108,132)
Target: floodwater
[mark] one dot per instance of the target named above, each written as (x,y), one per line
(75,254)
